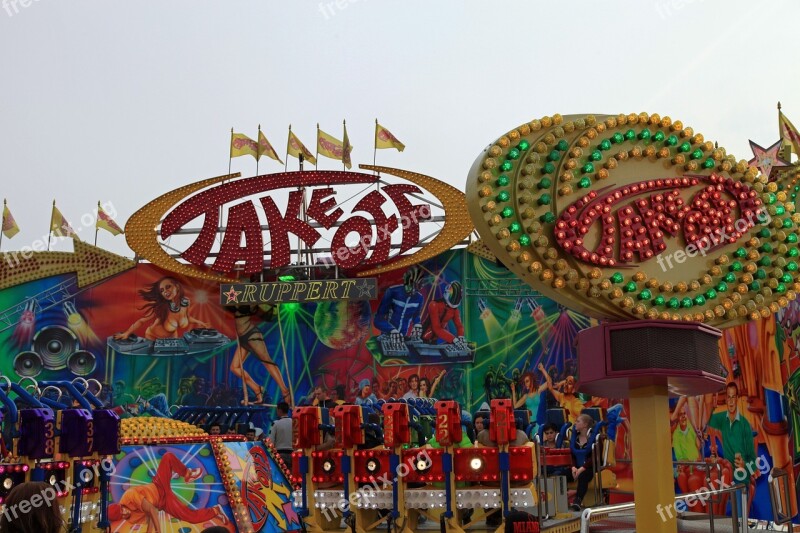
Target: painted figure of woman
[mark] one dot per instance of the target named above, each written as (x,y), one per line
(251,340)
(166,312)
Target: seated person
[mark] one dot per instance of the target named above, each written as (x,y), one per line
(549,434)
(581,447)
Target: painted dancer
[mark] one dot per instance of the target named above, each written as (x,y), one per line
(141,504)
(251,340)
(166,311)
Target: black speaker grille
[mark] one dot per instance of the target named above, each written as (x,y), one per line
(668,348)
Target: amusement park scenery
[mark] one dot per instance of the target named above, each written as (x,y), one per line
(519,268)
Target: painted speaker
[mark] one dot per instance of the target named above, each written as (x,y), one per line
(28,364)
(55,344)
(82,363)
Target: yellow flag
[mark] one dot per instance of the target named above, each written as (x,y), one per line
(10,227)
(385,139)
(294,148)
(243,145)
(347,149)
(104,221)
(59,226)
(329,146)
(265,148)
(789,133)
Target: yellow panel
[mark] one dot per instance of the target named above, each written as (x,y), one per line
(91,264)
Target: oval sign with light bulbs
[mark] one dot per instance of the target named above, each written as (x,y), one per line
(636,217)
(249,200)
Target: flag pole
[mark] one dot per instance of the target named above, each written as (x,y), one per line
(316,156)
(344,148)
(258,147)
(50,230)
(375,145)
(96,220)
(230,156)
(286,159)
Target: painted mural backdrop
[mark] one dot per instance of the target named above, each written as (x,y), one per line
(457,326)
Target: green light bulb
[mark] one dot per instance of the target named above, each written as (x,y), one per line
(502,180)
(513,153)
(506,166)
(761,274)
(584,183)
(684,147)
(629,287)
(659,300)
(697,154)
(699,300)
(524,145)
(722,286)
(708,163)
(730,277)
(686,303)
(587,168)
(791,238)
(544,199)
(514,227)
(544,183)
(616,278)
(597,155)
(548,168)
(555,155)
(524,240)
(671,140)
(507,212)
(674,303)
(711,294)
(605,144)
(562,145)
(645,134)
(617,138)
(740,252)
(645,295)
(503,196)
(736,266)
(547,218)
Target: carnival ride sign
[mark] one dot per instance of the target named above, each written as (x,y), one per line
(636,216)
(298,291)
(385,212)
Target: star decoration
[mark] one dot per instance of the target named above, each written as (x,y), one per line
(766,159)
(364,288)
(233,295)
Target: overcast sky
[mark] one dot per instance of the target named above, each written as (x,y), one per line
(124,101)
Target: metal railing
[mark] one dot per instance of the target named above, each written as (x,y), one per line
(737,524)
(781,501)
